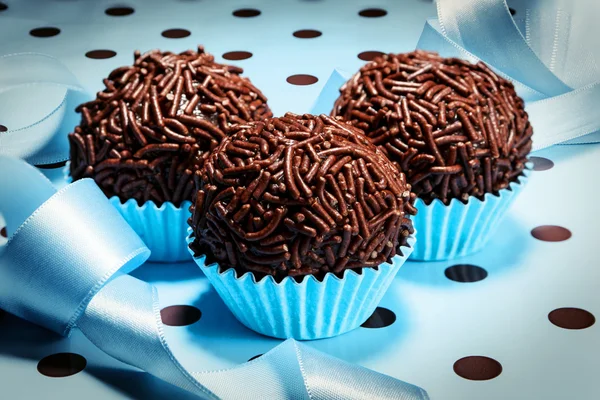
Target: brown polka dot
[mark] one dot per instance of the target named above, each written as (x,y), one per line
(237,55)
(302,79)
(572,318)
(52,166)
(380,318)
(255,357)
(372,13)
(3,128)
(176,33)
(465,273)
(100,54)
(477,368)
(119,11)
(44,32)
(180,315)
(551,233)
(512,11)
(246,13)
(61,365)
(370,55)
(541,163)
(3,232)
(307,34)
(3,7)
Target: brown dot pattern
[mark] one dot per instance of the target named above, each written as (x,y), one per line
(571,318)
(477,368)
(370,55)
(380,318)
(541,163)
(100,54)
(551,233)
(465,273)
(237,55)
(307,34)
(180,315)
(44,32)
(119,11)
(246,13)
(61,365)
(302,79)
(176,33)
(373,13)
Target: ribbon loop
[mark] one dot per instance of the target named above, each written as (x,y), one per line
(38,94)
(85,241)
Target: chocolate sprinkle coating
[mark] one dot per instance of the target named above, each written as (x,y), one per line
(299,195)
(456,129)
(145,135)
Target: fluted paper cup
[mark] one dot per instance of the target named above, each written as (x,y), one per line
(163,229)
(308,310)
(459,229)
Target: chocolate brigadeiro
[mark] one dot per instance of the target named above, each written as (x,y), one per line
(149,130)
(299,195)
(456,129)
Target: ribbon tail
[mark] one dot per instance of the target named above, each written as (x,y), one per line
(570,116)
(123,320)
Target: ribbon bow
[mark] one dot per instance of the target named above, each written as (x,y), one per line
(547,51)
(65,265)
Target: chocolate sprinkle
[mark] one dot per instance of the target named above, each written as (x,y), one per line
(150,129)
(456,129)
(299,195)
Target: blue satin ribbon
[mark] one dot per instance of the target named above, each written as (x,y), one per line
(535,56)
(38,96)
(66,263)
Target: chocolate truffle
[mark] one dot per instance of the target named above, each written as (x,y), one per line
(456,129)
(299,195)
(148,131)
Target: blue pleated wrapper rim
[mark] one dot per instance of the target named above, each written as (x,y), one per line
(458,229)
(163,229)
(306,310)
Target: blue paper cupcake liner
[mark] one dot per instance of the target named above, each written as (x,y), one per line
(163,229)
(307,310)
(459,229)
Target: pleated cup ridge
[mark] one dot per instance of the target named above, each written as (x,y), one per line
(458,229)
(307,310)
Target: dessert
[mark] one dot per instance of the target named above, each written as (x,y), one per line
(457,130)
(146,133)
(300,224)
(296,195)
(149,130)
(454,128)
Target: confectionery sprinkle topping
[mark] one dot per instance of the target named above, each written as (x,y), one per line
(148,131)
(299,195)
(456,129)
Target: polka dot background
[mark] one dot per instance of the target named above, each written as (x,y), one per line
(514,321)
